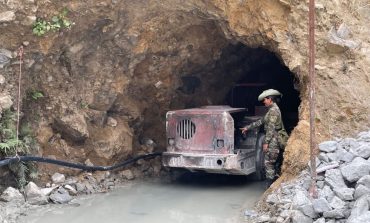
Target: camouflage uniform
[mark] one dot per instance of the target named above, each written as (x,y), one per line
(272,124)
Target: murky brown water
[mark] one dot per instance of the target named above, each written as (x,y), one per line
(203,200)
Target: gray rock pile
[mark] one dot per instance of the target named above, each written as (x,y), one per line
(343,185)
(60,190)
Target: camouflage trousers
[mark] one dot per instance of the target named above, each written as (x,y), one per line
(271,157)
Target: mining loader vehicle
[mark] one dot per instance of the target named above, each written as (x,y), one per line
(208,139)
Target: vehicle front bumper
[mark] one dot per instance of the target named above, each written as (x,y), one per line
(213,163)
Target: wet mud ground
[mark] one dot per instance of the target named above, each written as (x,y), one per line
(196,198)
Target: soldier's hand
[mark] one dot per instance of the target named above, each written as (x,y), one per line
(265,148)
(244,130)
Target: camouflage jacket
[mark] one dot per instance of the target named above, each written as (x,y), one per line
(272,123)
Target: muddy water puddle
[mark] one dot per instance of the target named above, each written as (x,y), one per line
(199,199)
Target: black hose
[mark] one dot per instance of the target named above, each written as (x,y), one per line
(75,165)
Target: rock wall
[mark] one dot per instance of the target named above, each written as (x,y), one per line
(342,187)
(109,79)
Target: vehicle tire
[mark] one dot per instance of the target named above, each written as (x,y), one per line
(260,162)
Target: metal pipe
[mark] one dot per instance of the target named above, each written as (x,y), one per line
(20,54)
(311,71)
(76,165)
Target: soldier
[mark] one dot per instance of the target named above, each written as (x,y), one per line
(274,127)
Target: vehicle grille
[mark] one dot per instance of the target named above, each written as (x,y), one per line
(186,129)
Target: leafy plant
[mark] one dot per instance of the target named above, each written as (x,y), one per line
(35,95)
(40,27)
(58,22)
(10,146)
(8,142)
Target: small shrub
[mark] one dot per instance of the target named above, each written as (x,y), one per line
(58,22)
(10,146)
(35,95)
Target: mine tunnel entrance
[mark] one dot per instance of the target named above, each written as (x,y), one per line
(239,75)
(236,78)
(260,70)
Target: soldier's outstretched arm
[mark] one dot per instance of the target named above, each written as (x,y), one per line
(252,125)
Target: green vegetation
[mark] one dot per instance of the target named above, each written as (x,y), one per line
(58,22)
(35,95)
(10,146)
(84,105)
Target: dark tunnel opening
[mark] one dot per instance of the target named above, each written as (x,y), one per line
(239,75)
(260,69)
(236,78)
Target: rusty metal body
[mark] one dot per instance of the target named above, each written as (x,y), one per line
(208,139)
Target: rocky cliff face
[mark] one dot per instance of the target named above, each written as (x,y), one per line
(109,79)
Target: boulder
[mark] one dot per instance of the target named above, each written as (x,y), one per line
(362,151)
(337,203)
(299,217)
(58,178)
(364,217)
(321,205)
(323,157)
(358,168)
(328,146)
(361,190)
(308,210)
(365,180)
(334,178)
(336,213)
(72,126)
(360,210)
(344,193)
(348,143)
(300,198)
(34,195)
(344,155)
(11,194)
(71,189)
(326,193)
(60,196)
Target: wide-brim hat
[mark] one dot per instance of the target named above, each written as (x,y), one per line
(269,92)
